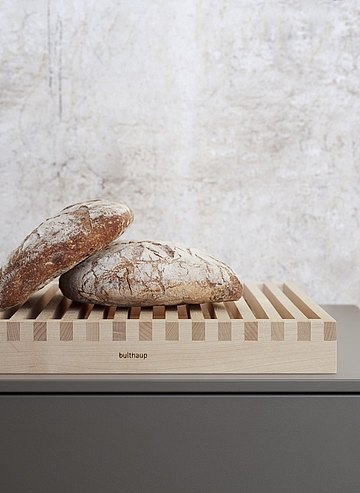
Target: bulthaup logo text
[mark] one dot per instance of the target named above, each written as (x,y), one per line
(129,355)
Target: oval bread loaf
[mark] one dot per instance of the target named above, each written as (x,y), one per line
(146,273)
(58,244)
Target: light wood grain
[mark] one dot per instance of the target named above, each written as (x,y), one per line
(171,314)
(224,321)
(146,314)
(97,313)
(51,309)
(275,328)
(70,310)
(245,310)
(171,323)
(145,324)
(221,312)
(187,357)
(198,322)
(121,313)
(305,303)
(281,302)
(265,307)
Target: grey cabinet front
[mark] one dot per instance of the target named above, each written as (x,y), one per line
(180,443)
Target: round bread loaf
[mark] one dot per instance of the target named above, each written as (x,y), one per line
(146,273)
(58,244)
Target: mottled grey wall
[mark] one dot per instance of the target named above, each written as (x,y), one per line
(232,126)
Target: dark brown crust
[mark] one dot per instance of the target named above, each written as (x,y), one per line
(28,269)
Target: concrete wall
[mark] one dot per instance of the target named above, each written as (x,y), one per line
(228,125)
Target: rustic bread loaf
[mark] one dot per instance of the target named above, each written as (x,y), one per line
(146,273)
(58,244)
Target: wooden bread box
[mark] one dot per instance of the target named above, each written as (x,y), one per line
(273,328)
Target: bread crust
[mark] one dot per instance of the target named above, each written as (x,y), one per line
(58,244)
(147,273)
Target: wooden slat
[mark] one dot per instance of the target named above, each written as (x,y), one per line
(224,322)
(121,313)
(207,310)
(97,313)
(305,303)
(40,331)
(63,307)
(244,309)
(171,323)
(198,322)
(285,306)
(145,324)
(221,312)
(233,310)
(88,307)
(264,302)
(146,314)
(73,312)
(171,314)
(9,312)
(254,304)
(196,313)
(51,309)
(36,303)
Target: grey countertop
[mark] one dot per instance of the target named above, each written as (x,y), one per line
(347,379)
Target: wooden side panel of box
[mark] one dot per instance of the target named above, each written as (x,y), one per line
(168,346)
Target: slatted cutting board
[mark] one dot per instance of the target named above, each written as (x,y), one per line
(274,328)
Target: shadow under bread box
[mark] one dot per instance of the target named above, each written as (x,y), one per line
(273,328)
